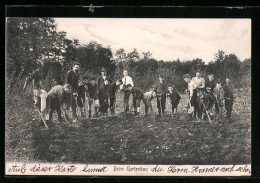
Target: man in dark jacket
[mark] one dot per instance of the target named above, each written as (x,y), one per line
(92,94)
(72,78)
(58,96)
(229,96)
(137,97)
(103,98)
(102,78)
(111,92)
(210,83)
(174,97)
(206,102)
(82,90)
(160,89)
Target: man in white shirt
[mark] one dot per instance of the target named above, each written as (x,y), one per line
(199,81)
(200,84)
(126,80)
(192,91)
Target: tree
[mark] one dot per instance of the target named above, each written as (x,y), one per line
(28,39)
(93,56)
(120,55)
(133,55)
(146,55)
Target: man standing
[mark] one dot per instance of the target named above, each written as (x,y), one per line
(126,81)
(102,78)
(210,83)
(228,95)
(72,78)
(174,97)
(160,90)
(111,92)
(218,93)
(200,84)
(103,98)
(192,92)
(93,99)
(57,97)
(81,99)
(199,81)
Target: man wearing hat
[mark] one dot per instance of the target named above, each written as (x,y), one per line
(72,78)
(102,78)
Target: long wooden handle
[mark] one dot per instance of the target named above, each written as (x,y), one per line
(207,113)
(44,122)
(25,83)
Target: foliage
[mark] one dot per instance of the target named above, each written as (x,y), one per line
(94,56)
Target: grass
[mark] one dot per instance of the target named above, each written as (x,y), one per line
(124,139)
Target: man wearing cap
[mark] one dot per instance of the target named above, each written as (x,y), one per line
(228,95)
(72,78)
(57,97)
(126,81)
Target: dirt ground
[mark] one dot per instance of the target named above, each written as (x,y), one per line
(126,139)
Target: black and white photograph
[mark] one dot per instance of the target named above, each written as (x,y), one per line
(128,96)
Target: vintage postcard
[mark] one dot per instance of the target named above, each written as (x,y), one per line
(128,96)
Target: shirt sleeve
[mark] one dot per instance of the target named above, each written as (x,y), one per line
(131,81)
(203,83)
(192,87)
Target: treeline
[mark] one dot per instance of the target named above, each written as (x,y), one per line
(35,47)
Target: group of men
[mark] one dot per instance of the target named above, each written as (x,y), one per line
(205,95)
(100,92)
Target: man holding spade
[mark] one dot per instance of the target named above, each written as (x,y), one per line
(192,94)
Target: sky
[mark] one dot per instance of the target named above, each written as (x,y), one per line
(167,39)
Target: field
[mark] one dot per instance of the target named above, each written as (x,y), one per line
(128,139)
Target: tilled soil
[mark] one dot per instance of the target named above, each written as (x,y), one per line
(127,139)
